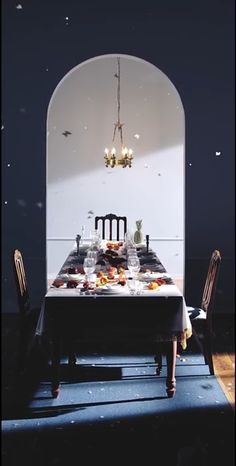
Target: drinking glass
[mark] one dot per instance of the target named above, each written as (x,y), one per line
(129,239)
(89,266)
(134,285)
(93,254)
(133,264)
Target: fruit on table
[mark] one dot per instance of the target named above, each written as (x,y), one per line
(58,282)
(73,270)
(72,284)
(153,286)
(120,269)
(160,281)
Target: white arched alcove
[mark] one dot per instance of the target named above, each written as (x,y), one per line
(79,186)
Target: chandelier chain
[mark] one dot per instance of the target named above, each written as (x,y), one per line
(125,157)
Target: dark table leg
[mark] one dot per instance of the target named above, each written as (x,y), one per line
(171,351)
(55,386)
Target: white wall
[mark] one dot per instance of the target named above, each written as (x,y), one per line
(78,182)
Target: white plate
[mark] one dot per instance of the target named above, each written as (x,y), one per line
(77,276)
(149,277)
(110,289)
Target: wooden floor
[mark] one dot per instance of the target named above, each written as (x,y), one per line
(224,365)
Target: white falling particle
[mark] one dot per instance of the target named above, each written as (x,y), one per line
(218,154)
(199,396)
(19,6)
(168,93)
(72,422)
(5,202)
(8,164)
(2,127)
(101,417)
(190,164)
(67,17)
(39,205)
(85,128)
(46,69)
(136,136)
(90,392)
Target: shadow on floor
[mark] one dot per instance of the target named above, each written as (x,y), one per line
(113,409)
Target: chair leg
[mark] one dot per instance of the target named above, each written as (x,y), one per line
(207,347)
(158,359)
(72,358)
(72,353)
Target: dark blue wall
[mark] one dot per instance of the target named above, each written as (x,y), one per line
(193,43)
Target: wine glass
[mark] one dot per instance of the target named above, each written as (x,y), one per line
(133,264)
(93,254)
(89,266)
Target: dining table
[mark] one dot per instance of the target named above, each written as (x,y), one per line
(146,303)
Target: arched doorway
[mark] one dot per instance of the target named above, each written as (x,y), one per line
(80,123)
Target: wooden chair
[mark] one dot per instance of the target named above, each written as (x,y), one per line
(110,220)
(28,315)
(201,318)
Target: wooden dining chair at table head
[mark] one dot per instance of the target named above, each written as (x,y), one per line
(110,221)
(201,318)
(28,316)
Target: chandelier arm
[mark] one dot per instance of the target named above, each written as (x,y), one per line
(114,133)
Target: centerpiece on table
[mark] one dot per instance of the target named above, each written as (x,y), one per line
(138,235)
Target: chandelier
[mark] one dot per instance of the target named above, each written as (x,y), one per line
(124,156)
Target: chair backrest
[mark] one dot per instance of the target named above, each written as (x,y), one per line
(109,220)
(21,283)
(209,291)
